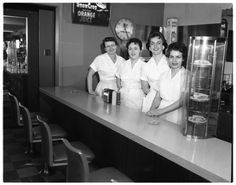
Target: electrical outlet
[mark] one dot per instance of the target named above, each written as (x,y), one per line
(47,52)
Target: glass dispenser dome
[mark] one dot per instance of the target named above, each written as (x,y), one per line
(206,56)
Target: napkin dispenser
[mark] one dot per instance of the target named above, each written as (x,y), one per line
(107,95)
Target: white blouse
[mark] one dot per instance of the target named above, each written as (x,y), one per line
(152,71)
(105,67)
(131,91)
(171,88)
(170,91)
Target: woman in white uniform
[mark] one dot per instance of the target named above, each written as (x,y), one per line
(128,76)
(153,69)
(172,83)
(106,65)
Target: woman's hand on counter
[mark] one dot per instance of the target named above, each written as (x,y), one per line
(92,92)
(154,112)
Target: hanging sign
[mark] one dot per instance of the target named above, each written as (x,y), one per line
(91,13)
(171,30)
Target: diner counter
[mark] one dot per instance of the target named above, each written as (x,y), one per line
(209,158)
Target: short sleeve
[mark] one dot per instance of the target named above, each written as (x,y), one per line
(95,64)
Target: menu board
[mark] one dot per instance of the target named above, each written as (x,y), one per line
(91,13)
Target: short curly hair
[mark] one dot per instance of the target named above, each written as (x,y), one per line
(178,46)
(109,39)
(136,41)
(156,34)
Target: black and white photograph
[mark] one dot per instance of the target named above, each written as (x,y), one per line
(129,92)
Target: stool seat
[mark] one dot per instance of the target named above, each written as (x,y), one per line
(33,133)
(78,168)
(108,174)
(53,153)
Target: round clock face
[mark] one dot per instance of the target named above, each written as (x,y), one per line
(124,29)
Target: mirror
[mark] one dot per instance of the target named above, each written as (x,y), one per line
(15,44)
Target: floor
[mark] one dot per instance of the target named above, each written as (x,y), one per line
(18,166)
(21,167)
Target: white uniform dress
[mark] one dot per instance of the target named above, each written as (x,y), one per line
(170,91)
(106,69)
(131,91)
(151,74)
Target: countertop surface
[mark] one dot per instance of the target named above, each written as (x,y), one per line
(208,158)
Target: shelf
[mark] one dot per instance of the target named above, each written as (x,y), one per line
(202,63)
(197,119)
(199,100)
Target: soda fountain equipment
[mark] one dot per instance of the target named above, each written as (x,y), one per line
(205,64)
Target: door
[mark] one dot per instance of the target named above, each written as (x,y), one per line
(41,47)
(31,84)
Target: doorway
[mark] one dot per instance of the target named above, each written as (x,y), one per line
(34,43)
(22,78)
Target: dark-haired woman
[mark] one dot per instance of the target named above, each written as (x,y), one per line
(128,76)
(172,82)
(153,69)
(106,65)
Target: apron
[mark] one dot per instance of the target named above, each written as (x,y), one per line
(154,82)
(170,91)
(132,94)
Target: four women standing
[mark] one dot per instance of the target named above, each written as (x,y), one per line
(147,86)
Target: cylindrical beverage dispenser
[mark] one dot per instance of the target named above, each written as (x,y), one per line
(205,63)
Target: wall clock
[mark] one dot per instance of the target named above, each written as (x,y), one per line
(124,29)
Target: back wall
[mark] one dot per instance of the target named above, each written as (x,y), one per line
(77,45)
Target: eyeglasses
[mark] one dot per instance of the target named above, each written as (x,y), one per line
(109,46)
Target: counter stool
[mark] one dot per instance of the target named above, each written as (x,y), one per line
(33,134)
(53,153)
(17,117)
(78,168)
(15,109)
(6,106)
